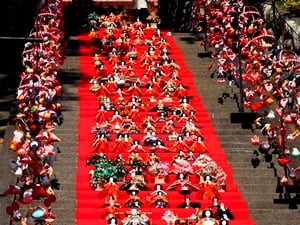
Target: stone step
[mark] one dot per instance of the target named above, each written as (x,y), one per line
(275,216)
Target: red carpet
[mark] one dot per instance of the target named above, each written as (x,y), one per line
(89,205)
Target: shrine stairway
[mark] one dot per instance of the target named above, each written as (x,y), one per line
(89,211)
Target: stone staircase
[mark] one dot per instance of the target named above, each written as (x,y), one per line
(257,185)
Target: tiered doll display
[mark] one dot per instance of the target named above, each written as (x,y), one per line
(149,151)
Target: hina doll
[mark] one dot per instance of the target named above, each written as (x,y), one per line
(169,88)
(127,122)
(207,219)
(161,107)
(149,118)
(162,118)
(119,145)
(183,117)
(114,58)
(116,117)
(110,210)
(136,147)
(190,156)
(181,166)
(134,90)
(102,91)
(192,116)
(134,201)
(175,116)
(127,141)
(135,217)
(102,114)
(133,128)
(135,114)
(130,73)
(100,143)
(117,128)
(168,99)
(189,204)
(112,221)
(167,128)
(155,84)
(149,127)
(181,92)
(150,139)
(146,59)
(223,213)
(111,85)
(188,139)
(182,185)
(135,183)
(158,198)
(205,166)
(199,146)
(192,128)
(150,92)
(135,161)
(109,191)
(152,158)
(169,217)
(159,147)
(101,73)
(179,145)
(185,107)
(208,189)
(163,44)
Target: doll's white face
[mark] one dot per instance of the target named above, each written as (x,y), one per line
(207,178)
(133,212)
(207,213)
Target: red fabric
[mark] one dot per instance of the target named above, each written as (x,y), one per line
(88,211)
